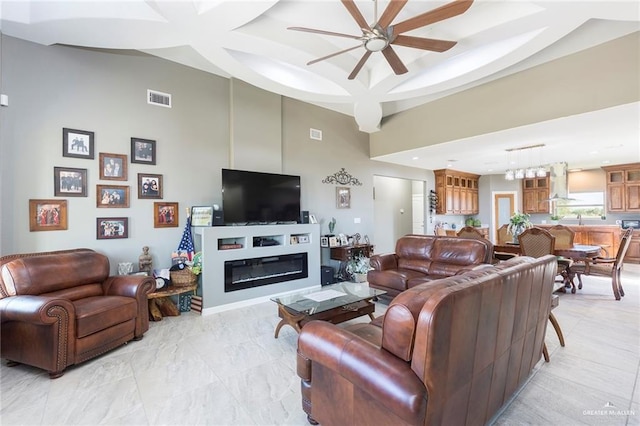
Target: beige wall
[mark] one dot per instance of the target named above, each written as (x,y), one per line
(593,79)
(214,123)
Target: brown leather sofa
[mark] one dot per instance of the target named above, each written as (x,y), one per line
(426,257)
(446,352)
(62,308)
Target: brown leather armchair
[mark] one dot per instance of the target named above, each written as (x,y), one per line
(62,308)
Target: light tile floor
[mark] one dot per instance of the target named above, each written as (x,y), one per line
(227,369)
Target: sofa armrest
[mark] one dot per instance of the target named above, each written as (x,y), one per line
(386,378)
(382,262)
(34,309)
(137,287)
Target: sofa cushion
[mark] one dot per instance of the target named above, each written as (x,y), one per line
(394,278)
(94,314)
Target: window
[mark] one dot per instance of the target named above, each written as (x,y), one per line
(589,205)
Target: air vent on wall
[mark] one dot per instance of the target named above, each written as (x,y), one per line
(315,134)
(158,98)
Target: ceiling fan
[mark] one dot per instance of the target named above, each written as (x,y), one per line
(381,35)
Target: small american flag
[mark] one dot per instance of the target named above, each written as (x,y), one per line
(186,243)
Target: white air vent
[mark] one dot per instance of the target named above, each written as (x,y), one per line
(158,98)
(315,134)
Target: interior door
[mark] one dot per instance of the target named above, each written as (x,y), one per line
(504,206)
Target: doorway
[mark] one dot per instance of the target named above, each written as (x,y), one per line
(504,206)
(398,209)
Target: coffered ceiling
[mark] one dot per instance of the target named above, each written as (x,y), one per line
(249,40)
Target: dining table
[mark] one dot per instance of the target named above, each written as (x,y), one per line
(576,252)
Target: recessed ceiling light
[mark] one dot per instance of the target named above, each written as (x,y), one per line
(415,158)
(593,152)
(605,161)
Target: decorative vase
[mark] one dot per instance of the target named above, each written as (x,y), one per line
(517,231)
(360,278)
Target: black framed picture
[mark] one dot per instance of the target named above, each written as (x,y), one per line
(109,228)
(68,182)
(77,143)
(149,186)
(143,151)
(113,166)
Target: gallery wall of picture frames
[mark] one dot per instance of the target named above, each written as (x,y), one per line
(51,215)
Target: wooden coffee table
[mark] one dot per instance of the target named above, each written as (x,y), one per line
(334,303)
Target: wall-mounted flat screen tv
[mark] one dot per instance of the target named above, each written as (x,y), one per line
(252,198)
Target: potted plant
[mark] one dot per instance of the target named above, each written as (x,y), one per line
(517,224)
(357,268)
(555,218)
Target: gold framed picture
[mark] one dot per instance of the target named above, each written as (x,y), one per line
(47,215)
(165,215)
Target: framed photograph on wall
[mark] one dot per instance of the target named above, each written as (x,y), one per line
(68,182)
(112,196)
(149,186)
(143,151)
(113,166)
(165,215)
(47,215)
(201,215)
(77,143)
(343,197)
(110,228)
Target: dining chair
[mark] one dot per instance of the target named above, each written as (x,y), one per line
(536,242)
(503,236)
(470,232)
(564,239)
(606,266)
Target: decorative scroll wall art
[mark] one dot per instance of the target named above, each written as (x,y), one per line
(342,178)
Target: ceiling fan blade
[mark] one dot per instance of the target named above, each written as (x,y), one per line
(424,43)
(333,54)
(355,12)
(359,65)
(311,30)
(389,14)
(394,60)
(447,11)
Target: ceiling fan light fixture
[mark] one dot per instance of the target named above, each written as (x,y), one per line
(376,44)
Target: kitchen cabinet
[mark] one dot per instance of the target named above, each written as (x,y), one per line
(457,192)
(535,195)
(623,188)
(633,252)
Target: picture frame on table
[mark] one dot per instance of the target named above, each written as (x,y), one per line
(312,218)
(47,215)
(143,151)
(116,196)
(343,197)
(112,166)
(77,143)
(111,228)
(165,215)
(150,186)
(333,242)
(69,182)
(202,216)
(324,241)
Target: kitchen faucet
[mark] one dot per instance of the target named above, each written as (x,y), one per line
(580,219)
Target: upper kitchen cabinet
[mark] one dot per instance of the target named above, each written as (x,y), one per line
(623,188)
(457,192)
(535,194)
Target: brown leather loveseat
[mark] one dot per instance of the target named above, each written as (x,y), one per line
(426,257)
(446,352)
(62,308)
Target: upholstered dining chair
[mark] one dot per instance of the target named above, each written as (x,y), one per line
(536,242)
(606,266)
(564,239)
